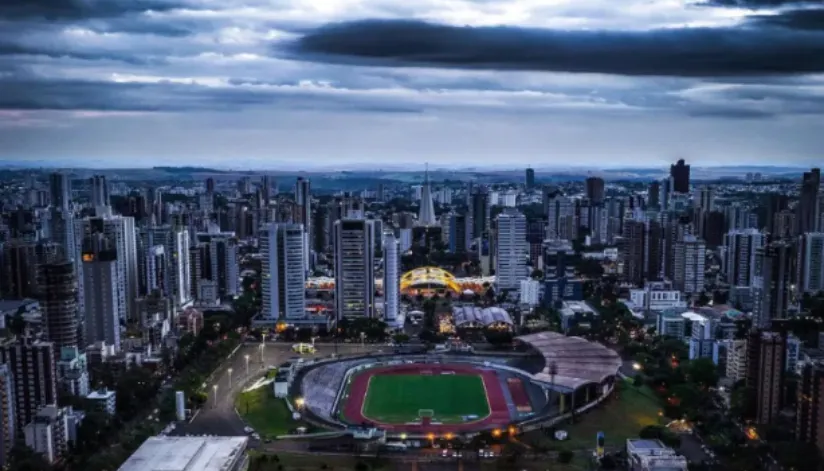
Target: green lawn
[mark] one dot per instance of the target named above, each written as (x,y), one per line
(399,398)
(620,417)
(265,413)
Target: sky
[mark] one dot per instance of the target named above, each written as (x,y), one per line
(289,84)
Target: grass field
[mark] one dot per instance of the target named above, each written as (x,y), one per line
(620,417)
(265,413)
(400,398)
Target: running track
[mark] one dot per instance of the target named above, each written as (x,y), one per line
(499,412)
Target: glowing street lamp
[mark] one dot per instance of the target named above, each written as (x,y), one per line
(300,402)
(214,389)
(230,377)
(637,366)
(246,357)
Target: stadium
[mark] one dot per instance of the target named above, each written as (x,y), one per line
(451,394)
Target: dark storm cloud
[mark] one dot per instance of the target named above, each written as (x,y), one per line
(689,52)
(762,3)
(80,9)
(803,19)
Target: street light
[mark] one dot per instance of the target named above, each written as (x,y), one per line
(299,402)
(247,363)
(261,356)
(214,388)
(230,377)
(636,366)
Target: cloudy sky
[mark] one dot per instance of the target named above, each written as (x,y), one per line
(387,83)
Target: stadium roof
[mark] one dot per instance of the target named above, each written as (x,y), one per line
(577,361)
(187,454)
(474,315)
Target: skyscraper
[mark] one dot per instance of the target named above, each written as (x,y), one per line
(459,233)
(283,272)
(680,174)
(512,251)
(690,258)
(391,277)
(771,285)
(303,198)
(21,260)
(60,190)
(632,251)
(426,213)
(595,190)
(808,205)
(654,194)
(765,374)
(8,426)
(809,415)
(102,290)
(120,232)
(33,365)
(810,262)
(706,200)
(58,301)
(530,178)
(156,270)
(739,263)
(354,268)
(101,200)
(479,212)
(219,251)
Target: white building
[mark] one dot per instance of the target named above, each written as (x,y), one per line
(405,239)
(739,263)
(736,360)
(48,433)
(512,251)
(810,263)
(354,268)
(656,297)
(189,453)
(283,272)
(690,258)
(702,337)
(652,455)
(104,400)
(391,278)
(530,292)
(156,269)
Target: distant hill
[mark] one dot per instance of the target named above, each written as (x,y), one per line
(188,170)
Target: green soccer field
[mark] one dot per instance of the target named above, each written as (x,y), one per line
(400,398)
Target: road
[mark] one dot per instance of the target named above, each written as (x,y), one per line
(218,416)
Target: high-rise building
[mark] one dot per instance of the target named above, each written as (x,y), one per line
(810,262)
(210,185)
(460,233)
(766,373)
(8,426)
(102,289)
(808,205)
(426,212)
(809,416)
(680,175)
(320,234)
(391,277)
(156,270)
(58,301)
(595,190)
(771,294)
(706,199)
(741,248)
(530,178)
(219,260)
(48,433)
(120,231)
(512,251)
(562,222)
(303,198)
(21,260)
(283,272)
(690,258)
(101,201)
(60,189)
(654,194)
(479,212)
(32,364)
(61,231)
(354,269)
(632,250)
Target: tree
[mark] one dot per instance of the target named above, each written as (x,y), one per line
(565,456)
(703,372)
(537,274)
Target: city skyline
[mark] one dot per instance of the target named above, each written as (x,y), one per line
(462,83)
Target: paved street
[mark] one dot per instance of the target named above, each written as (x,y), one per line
(219,417)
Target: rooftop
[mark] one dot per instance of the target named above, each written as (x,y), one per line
(475,315)
(577,361)
(187,454)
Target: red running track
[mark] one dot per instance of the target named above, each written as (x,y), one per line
(519,396)
(498,411)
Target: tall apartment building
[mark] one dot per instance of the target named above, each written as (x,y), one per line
(60,190)
(595,190)
(766,373)
(479,213)
(58,302)
(810,262)
(460,233)
(175,241)
(680,175)
(19,265)
(120,231)
(303,198)
(283,272)
(690,258)
(391,277)
(809,416)
(219,260)
(48,433)
(736,368)
(8,425)
(102,290)
(632,250)
(771,294)
(354,268)
(561,219)
(807,211)
(512,251)
(101,201)
(739,263)
(33,366)
(156,269)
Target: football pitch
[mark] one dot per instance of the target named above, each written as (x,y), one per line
(400,398)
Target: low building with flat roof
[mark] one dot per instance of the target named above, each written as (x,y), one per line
(189,454)
(652,455)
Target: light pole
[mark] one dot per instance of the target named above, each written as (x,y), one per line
(261,356)
(246,357)
(214,388)
(230,377)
